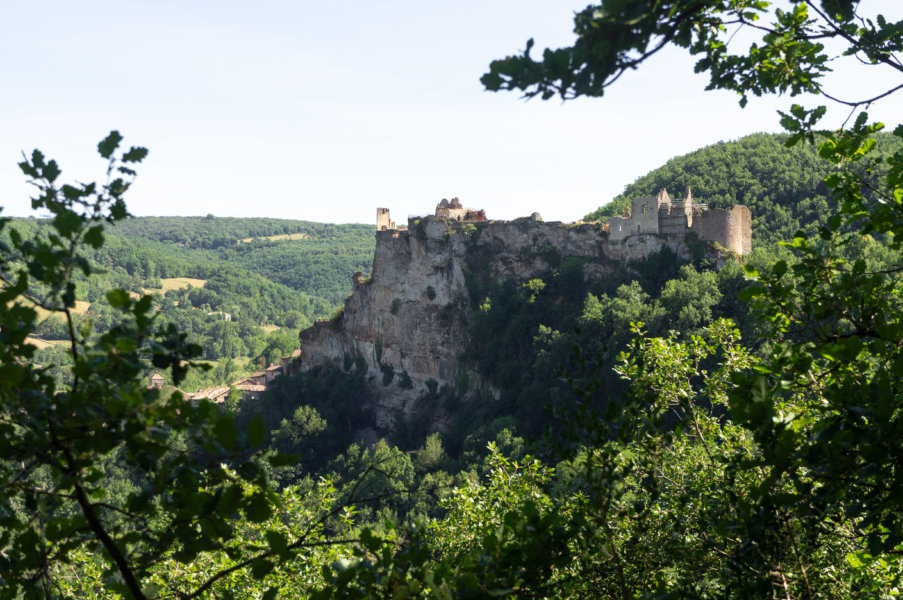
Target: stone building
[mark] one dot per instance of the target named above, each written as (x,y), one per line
(156,381)
(383,220)
(728,227)
(453,209)
(450,209)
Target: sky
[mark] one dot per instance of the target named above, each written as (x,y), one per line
(324,111)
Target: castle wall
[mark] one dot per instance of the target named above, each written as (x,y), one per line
(729,227)
(384,220)
(643,219)
(644,216)
(456,213)
(618,228)
(675,219)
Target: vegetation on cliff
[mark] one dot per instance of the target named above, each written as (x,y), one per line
(722,471)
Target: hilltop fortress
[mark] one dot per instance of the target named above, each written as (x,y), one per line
(731,227)
(406,325)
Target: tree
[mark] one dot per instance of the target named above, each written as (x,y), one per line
(825,405)
(59,445)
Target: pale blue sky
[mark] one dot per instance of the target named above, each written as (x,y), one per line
(324,111)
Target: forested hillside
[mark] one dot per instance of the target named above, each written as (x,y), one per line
(721,427)
(315,258)
(240,288)
(567,368)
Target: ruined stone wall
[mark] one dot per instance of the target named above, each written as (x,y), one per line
(644,216)
(674,220)
(384,220)
(729,227)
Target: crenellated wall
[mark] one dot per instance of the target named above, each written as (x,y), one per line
(729,227)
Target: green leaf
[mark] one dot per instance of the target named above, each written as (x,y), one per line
(226,431)
(260,568)
(277,540)
(779,268)
(118,298)
(94,236)
(108,145)
(258,508)
(749,293)
(135,154)
(51,171)
(282,460)
(67,223)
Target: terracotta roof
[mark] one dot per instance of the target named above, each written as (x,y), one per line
(249,387)
(156,377)
(214,394)
(274,367)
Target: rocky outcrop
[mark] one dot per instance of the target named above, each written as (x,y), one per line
(406,325)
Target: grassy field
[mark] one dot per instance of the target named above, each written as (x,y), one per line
(270,328)
(282,236)
(41,344)
(176,283)
(80,308)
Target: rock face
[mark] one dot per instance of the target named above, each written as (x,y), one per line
(407,325)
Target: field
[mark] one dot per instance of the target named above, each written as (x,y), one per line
(176,283)
(40,344)
(282,236)
(80,308)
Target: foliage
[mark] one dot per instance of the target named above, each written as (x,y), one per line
(59,444)
(822,409)
(722,471)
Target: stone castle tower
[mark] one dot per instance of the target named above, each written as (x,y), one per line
(383,220)
(728,227)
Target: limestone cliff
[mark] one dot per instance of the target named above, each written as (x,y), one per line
(407,324)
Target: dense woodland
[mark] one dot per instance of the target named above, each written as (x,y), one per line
(555,347)
(271,277)
(684,432)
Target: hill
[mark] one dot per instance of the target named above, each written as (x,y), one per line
(315,258)
(240,288)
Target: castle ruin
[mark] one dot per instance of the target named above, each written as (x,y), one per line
(728,227)
(453,209)
(673,220)
(383,220)
(448,209)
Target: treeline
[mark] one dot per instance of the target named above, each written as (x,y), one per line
(212,232)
